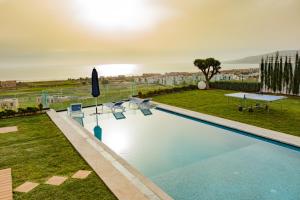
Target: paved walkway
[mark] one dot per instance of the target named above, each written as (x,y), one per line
(5,184)
(54,180)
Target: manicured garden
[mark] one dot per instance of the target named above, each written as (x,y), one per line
(214,102)
(38,151)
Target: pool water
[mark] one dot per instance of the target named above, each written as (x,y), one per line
(191,160)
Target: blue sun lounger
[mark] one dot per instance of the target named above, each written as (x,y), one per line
(116,108)
(140,103)
(143,105)
(75,110)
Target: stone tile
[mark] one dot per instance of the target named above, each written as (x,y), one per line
(81,174)
(26,187)
(8,129)
(56,180)
(5,184)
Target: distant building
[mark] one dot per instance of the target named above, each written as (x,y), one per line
(54,99)
(170,79)
(9,104)
(8,84)
(225,77)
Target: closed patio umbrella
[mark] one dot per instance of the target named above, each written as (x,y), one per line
(95,87)
(96,94)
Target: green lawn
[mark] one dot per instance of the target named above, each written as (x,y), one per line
(38,151)
(214,102)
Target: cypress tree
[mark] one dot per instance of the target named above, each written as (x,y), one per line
(296,80)
(266,72)
(271,72)
(275,73)
(262,73)
(280,75)
(298,74)
(290,86)
(286,75)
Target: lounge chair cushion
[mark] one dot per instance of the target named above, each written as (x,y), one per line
(146,112)
(119,115)
(76,107)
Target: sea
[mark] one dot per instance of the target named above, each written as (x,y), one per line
(62,72)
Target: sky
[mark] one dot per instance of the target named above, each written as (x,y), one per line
(158,32)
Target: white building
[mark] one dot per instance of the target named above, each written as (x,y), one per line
(171,79)
(54,99)
(225,77)
(9,104)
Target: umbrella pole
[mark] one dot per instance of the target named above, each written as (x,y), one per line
(96,105)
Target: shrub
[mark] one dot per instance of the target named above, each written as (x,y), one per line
(238,86)
(166,91)
(21,112)
(40,106)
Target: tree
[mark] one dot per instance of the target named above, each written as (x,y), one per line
(296,79)
(266,73)
(262,73)
(270,73)
(286,75)
(209,68)
(290,67)
(275,73)
(280,75)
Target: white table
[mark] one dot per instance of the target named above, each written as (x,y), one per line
(258,97)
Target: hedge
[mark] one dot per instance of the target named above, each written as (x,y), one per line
(238,86)
(21,112)
(166,91)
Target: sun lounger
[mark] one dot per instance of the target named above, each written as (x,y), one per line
(146,112)
(140,103)
(75,110)
(114,106)
(119,115)
(143,105)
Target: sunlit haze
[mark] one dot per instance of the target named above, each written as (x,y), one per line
(40,39)
(114,69)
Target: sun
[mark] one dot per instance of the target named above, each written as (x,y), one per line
(120,15)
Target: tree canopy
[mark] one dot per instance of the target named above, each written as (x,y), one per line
(209,68)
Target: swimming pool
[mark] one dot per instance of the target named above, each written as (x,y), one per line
(191,159)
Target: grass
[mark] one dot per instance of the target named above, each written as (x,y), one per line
(27,93)
(38,151)
(214,102)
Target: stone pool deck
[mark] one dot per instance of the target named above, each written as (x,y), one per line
(123,180)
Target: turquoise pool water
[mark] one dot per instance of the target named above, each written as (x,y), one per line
(191,160)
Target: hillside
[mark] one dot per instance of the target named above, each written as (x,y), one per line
(256,59)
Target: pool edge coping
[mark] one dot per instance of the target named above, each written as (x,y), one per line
(135,177)
(239,126)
